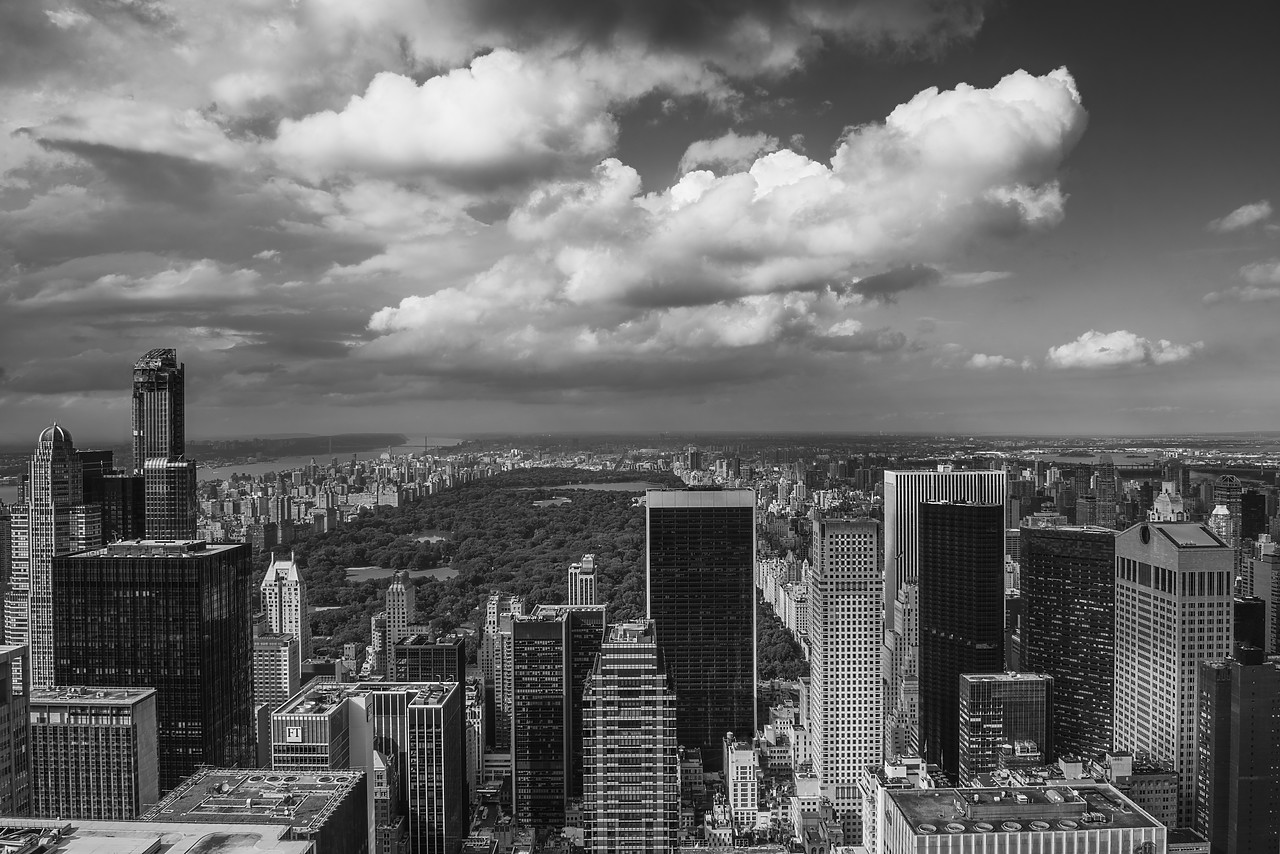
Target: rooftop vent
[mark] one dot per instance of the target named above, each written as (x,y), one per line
(1011,826)
(927,828)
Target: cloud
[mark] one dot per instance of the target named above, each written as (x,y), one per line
(983,362)
(1242,217)
(972,280)
(1262,272)
(1095,349)
(731,152)
(1263,278)
(886,286)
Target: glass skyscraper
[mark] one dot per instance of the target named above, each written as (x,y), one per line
(700,565)
(159,407)
(1004,710)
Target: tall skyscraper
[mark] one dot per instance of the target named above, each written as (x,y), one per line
(999,710)
(495,664)
(277,668)
(15,731)
(961,579)
(1238,762)
(54,521)
(159,407)
(401,608)
(1069,630)
(845,634)
(632,760)
(172,509)
(284,599)
(1265,572)
(173,616)
(904,491)
(1174,609)
(94,752)
(585,629)
(539,721)
(582,581)
(700,570)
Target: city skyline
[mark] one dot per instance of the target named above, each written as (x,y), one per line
(969,217)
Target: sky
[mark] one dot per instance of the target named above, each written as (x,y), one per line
(446,217)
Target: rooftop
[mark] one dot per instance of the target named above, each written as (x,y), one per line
(159,548)
(76,694)
(1004,677)
(1018,810)
(300,800)
(1188,535)
(138,837)
(420,639)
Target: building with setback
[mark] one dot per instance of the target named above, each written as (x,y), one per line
(284,600)
(94,752)
(159,445)
(15,731)
(631,792)
(1004,710)
(700,570)
(1068,629)
(961,581)
(582,581)
(174,616)
(1174,609)
(845,635)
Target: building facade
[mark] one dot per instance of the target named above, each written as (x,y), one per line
(419,658)
(95,752)
(159,407)
(582,581)
(172,507)
(284,600)
(999,710)
(15,731)
(277,668)
(700,571)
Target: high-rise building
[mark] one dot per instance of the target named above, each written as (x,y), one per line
(159,407)
(961,582)
(1174,609)
(1238,762)
(401,607)
(94,752)
(1068,630)
(741,782)
(284,599)
(495,665)
(582,581)
(904,491)
(845,636)
(585,629)
(632,790)
(700,570)
(1265,565)
(54,521)
(475,712)
(999,710)
(121,498)
(173,616)
(172,508)
(15,731)
(418,658)
(277,668)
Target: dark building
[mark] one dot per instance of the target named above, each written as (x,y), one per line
(1238,762)
(174,616)
(1253,514)
(539,720)
(999,710)
(122,501)
(585,626)
(1068,630)
(961,586)
(418,658)
(1250,622)
(700,562)
(159,407)
(172,506)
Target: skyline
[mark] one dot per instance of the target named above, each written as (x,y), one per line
(994,220)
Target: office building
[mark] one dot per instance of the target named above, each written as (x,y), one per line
(94,752)
(495,665)
(326,810)
(1068,630)
(900,772)
(284,600)
(904,491)
(277,668)
(401,608)
(631,794)
(1174,609)
(585,628)
(845,636)
(53,521)
(1250,623)
(1004,710)
(1238,761)
(741,782)
(1265,564)
(1024,820)
(121,500)
(159,407)
(475,707)
(172,508)
(59,836)
(700,570)
(582,581)
(419,658)
(961,583)
(410,738)
(15,731)
(173,616)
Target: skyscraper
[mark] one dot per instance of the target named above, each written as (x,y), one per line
(418,658)
(582,581)
(700,570)
(54,521)
(1174,609)
(172,509)
(174,616)
(846,711)
(1069,629)
(277,668)
(1004,709)
(401,608)
(159,407)
(961,579)
(284,599)
(539,720)
(495,664)
(15,731)
(585,629)
(904,491)
(632,790)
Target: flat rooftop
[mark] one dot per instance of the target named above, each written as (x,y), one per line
(141,837)
(297,799)
(1018,809)
(450,640)
(319,698)
(159,548)
(1188,535)
(77,695)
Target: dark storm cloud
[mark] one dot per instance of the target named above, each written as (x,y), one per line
(886,286)
(147,176)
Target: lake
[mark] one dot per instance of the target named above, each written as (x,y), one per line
(359,574)
(624,486)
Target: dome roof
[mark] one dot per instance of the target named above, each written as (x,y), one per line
(55,433)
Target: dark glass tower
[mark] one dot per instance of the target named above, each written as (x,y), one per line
(159,407)
(961,615)
(417,658)
(172,507)
(1069,632)
(172,616)
(701,598)
(999,710)
(539,720)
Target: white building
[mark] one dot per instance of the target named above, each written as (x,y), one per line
(284,598)
(742,780)
(582,581)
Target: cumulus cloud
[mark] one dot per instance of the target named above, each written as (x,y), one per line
(1262,284)
(1242,217)
(1262,272)
(984,362)
(730,151)
(1095,349)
